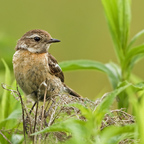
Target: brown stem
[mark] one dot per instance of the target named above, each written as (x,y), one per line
(5,137)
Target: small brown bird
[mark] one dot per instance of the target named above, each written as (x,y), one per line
(35,69)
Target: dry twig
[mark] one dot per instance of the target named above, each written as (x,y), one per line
(5,137)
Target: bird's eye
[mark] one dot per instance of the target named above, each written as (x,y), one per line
(37,38)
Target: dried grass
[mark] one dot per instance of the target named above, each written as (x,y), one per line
(55,109)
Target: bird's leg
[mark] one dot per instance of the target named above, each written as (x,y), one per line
(32,107)
(27,118)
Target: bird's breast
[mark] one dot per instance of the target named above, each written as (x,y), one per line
(30,69)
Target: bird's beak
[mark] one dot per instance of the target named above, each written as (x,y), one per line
(53,40)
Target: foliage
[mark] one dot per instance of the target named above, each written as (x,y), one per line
(10,108)
(118,15)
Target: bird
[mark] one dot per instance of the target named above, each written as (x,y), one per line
(35,69)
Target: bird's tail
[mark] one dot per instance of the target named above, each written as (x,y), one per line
(71,92)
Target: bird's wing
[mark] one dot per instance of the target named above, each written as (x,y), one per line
(54,67)
(56,70)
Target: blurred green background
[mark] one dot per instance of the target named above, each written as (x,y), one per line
(82,29)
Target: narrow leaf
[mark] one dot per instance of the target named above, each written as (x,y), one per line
(103,108)
(118,15)
(139,34)
(133,55)
(5,96)
(90,65)
(69,125)
(117,132)
(83,65)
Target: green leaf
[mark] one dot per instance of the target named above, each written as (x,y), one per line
(9,105)
(103,108)
(86,112)
(133,55)
(11,120)
(83,65)
(135,59)
(69,125)
(134,52)
(4,105)
(114,134)
(118,15)
(17,139)
(138,109)
(91,65)
(140,117)
(139,34)
(116,71)
(14,115)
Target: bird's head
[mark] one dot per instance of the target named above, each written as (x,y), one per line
(35,41)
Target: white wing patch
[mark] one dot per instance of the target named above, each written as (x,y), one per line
(57,66)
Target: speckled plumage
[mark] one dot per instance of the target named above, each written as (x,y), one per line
(33,66)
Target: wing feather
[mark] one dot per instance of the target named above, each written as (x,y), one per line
(56,70)
(54,67)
